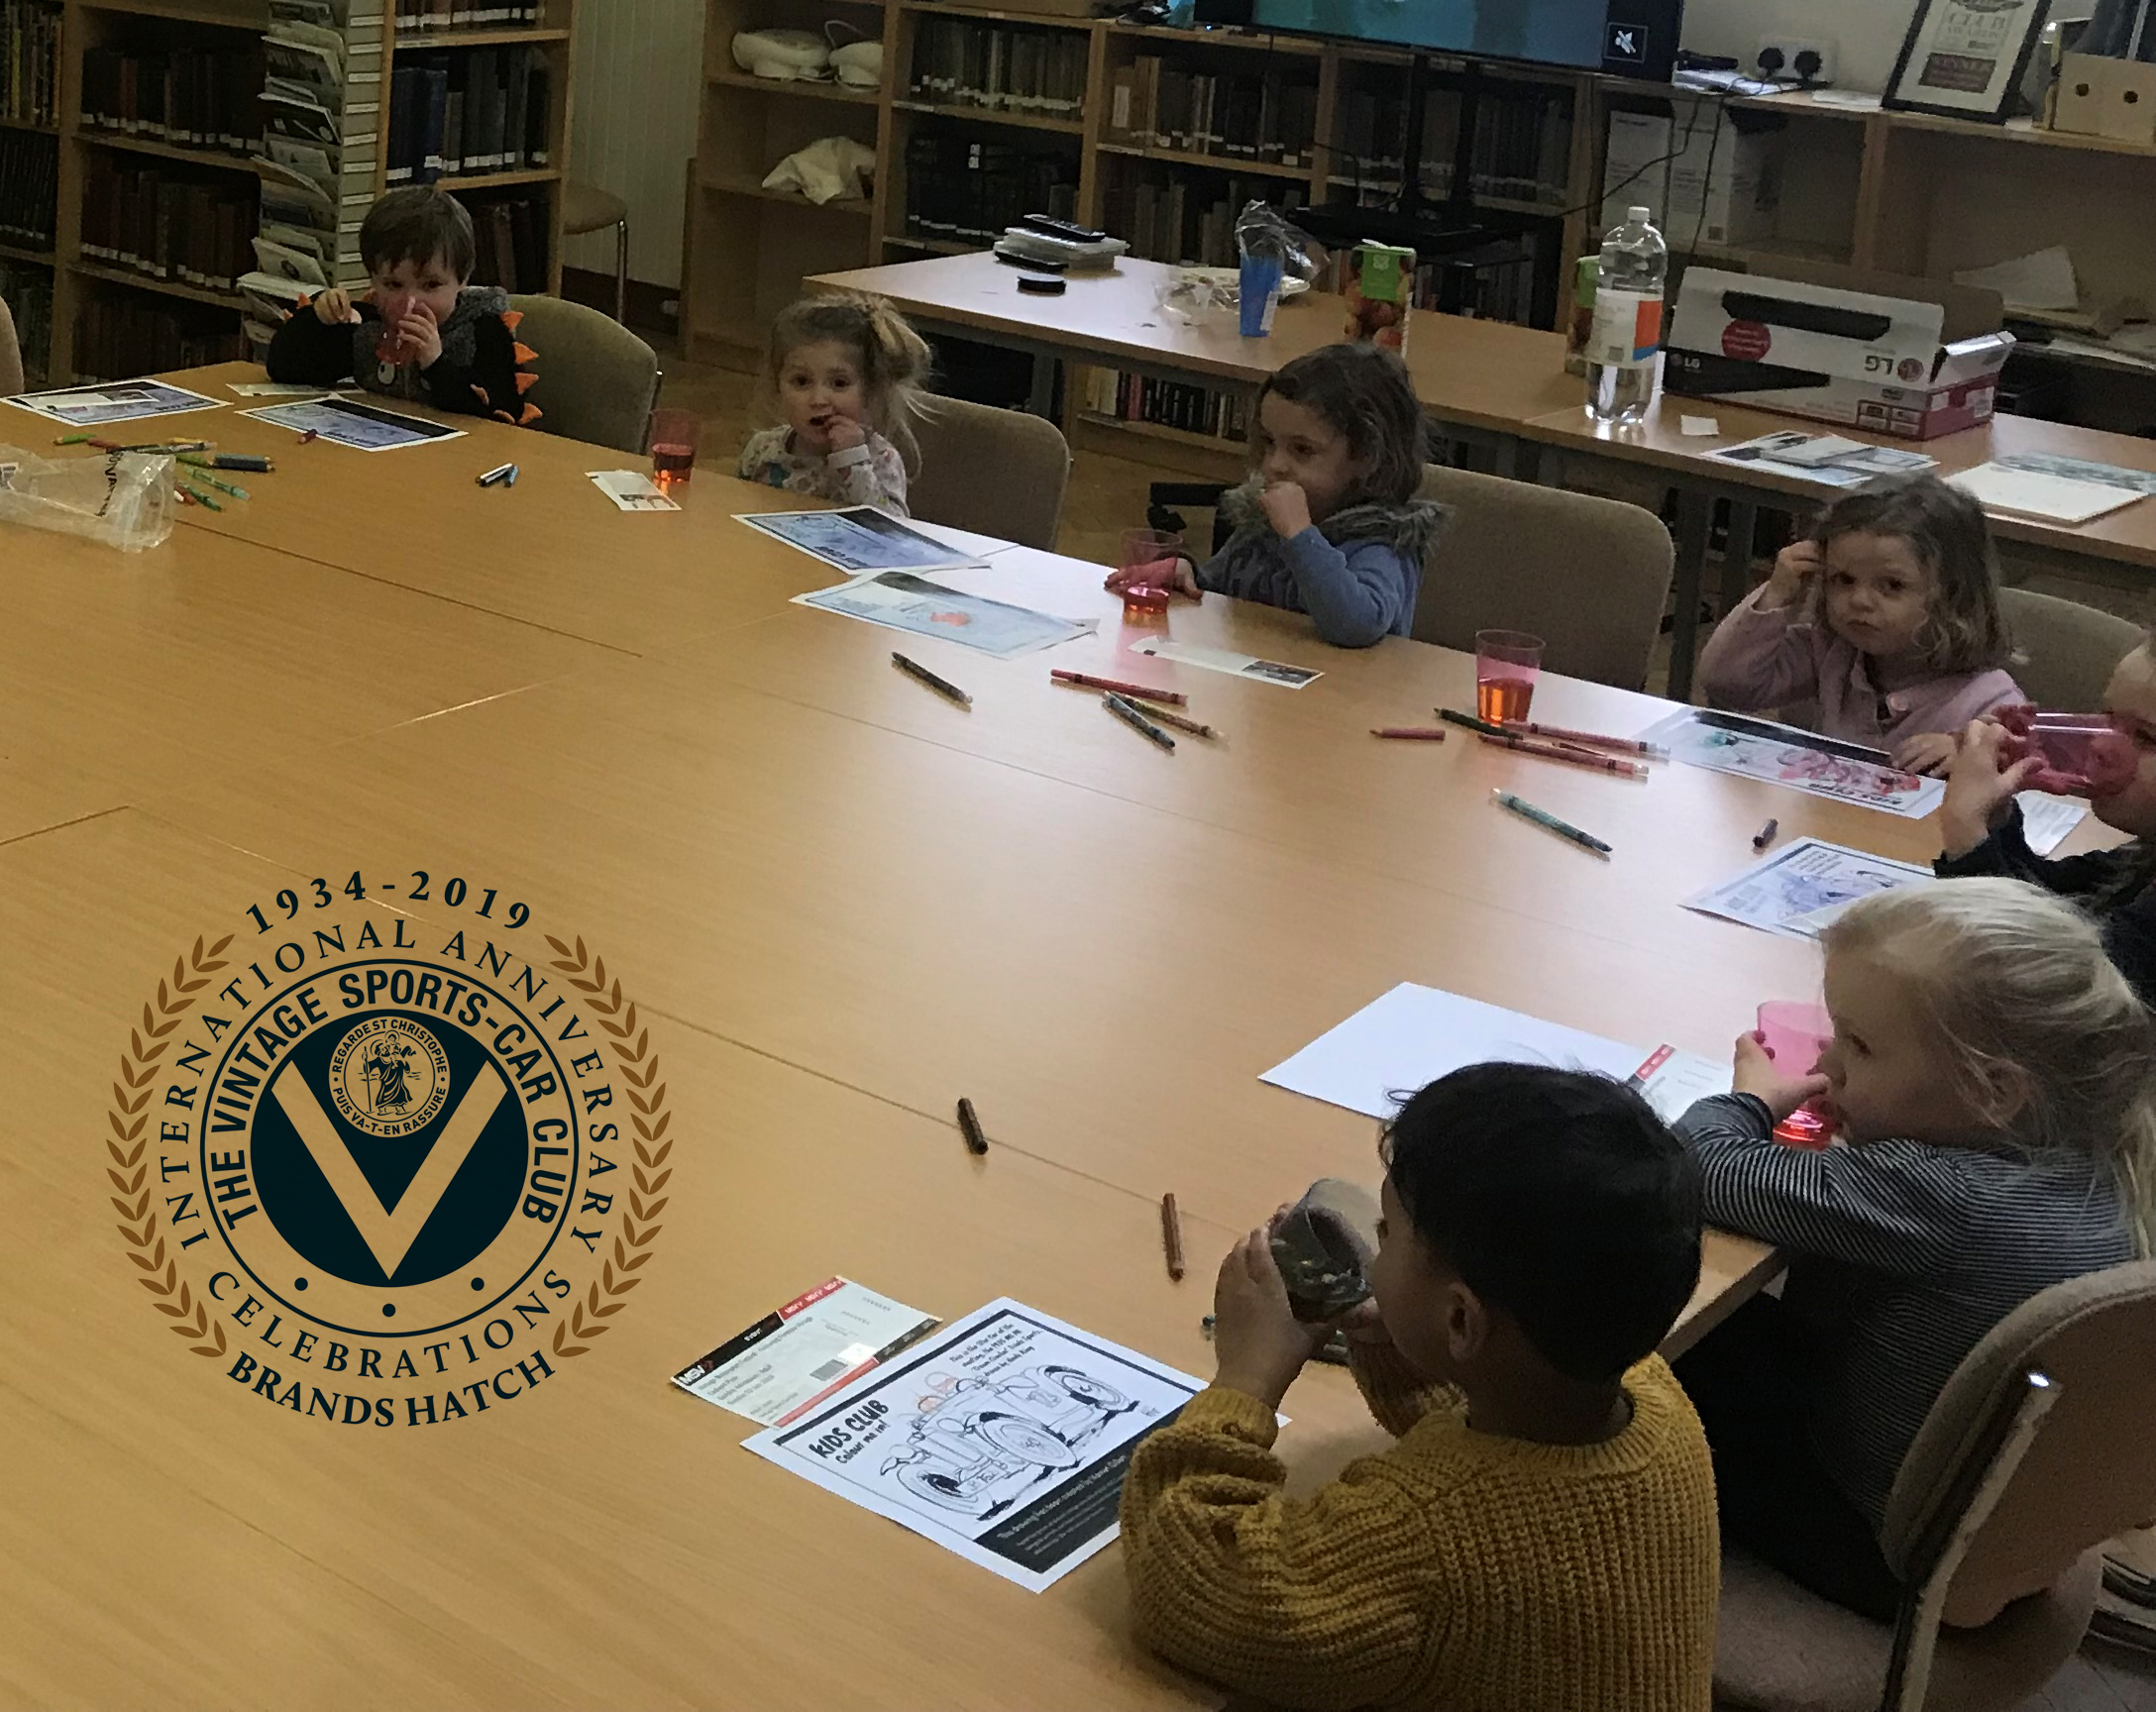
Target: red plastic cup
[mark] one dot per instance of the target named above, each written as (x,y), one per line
(1796,1036)
(1154,553)
(1506,665)
(673,446)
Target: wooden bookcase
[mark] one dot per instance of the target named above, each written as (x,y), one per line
(189,23)
(34,266)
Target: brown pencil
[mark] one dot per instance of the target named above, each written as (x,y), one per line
(1590,739)
(1416,733)
(1171,1235)
(1085,681)
(1562,752)
(1168,717)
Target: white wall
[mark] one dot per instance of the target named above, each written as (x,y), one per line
(638,70)
(1867,34)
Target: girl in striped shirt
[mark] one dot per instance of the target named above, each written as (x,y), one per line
(1995,1081)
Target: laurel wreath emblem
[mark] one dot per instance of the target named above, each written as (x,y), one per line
(617,1015)
(130,1171)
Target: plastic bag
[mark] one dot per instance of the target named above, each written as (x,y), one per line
(1201,294)
(123,500)
(1261,230)
(827,169)
(1323,1248)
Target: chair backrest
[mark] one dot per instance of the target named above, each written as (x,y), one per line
(2072,649)
(2091,1473)
(1590,576)
(598,380)
(997,472)
(11,356)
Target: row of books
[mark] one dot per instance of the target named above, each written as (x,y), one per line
(1171,403)
(123,332)
(964,189)
(961,63)
(1255,116)
(471,112)
(413,16)
(1168,217)
(168,222)
(510,232)
(26,290)
(1523,140)
(190,98)
(28,188)
(30,62)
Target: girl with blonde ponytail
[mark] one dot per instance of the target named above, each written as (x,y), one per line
(848,377)
(1994,1079)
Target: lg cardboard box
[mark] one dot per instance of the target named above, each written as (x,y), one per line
(1832,354)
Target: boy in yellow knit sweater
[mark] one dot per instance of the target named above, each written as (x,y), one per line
(1541,1538)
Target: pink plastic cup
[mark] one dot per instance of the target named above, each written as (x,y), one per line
(1154,553)
(1506,665)
(2084,754)
(1796,1035)
(388,342)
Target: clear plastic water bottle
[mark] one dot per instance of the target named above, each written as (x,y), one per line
(1627,335)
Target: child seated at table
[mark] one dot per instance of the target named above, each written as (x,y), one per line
(1980,826)
(1996,1080)
(1543,1533)
(848,374)
(1327,522)
(1886,617)
(420,331)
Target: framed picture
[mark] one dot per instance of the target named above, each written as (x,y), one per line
(1964,58)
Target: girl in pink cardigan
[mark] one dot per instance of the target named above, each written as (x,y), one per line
(1887,618)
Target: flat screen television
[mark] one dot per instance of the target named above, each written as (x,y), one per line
(1627,38)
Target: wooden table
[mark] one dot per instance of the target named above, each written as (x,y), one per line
(2121,544)
(841,903)
(1482,379)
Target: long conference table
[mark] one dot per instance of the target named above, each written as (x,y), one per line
(842,903)
(1504,388)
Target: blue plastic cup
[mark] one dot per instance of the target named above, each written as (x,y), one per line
(1259,294)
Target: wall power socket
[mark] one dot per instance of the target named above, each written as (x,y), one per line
(1796,58)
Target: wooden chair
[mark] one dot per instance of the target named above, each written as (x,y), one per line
(588,208)
(598,380)
(1589,576)
(2037,1452)
(999,473)
(2072,649)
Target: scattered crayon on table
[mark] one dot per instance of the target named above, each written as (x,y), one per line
(1544,819)
(1412,733)
(1766,834)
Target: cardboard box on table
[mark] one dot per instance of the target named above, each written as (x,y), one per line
(1892,364)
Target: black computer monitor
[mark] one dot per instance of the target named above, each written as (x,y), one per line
(1628,38)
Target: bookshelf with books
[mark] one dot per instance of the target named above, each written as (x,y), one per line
(30,33)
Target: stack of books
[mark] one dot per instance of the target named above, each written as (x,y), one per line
(322,120)
(965,191)
(121,333)
(510,227)
(28,188)
(463,114)
(413,16)
(1172,217)
(1012,69)
(192,98)
(1523,142)
(1269,116)
(29,63)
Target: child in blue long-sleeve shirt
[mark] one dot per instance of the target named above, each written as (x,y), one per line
(1328,523)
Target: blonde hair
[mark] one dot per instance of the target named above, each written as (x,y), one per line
(894,357)
(1963,629)
(2018,987)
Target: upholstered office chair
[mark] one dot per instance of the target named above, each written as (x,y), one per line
(1589,576)
(11,354)
(2072,649)
(997,472)
(588,208)
(2035,1454)
(596,381)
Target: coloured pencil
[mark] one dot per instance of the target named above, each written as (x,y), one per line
(970,1127)
(1413,733)
(1544,819)
(1171,1237)
(941,686)
(1766,834)
(1563,752)
(1591,740)
(1130,716)
(1468,722)
(1168,716)
(1085,681)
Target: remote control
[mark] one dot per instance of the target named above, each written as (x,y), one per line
(1030,265)
(1042,287)
(1062,229)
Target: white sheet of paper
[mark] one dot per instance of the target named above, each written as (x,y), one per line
(1799,890)
(1414,1034)
(2045,497)
(792,1358)
(357,423)
(1003,1437)
(1800,760)
(859,538)
(1699,427)
(2047,819)
(273,389)
(2043,279)
(113,402)
(1224,660)
(631,491)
